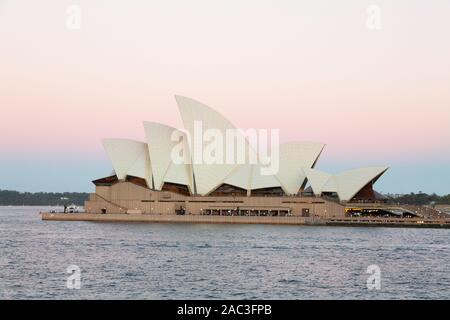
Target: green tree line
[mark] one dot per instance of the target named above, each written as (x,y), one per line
(421,199)
(15,198)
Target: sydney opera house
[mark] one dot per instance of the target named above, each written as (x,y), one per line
(147,179)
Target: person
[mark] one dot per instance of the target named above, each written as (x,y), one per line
(65,208)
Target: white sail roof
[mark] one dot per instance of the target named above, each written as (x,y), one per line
(346,184)
(260,181)
(317,179)
(331,185)
(293,157)
(129,157)
(240,177)
(349,183)
(162,142)
(154,160)
(142,168)
(208,176)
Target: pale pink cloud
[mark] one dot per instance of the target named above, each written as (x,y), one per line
(311,70)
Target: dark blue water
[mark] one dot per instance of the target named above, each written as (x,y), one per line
(188,261)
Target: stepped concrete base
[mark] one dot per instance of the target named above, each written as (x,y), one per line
(289,220)
(110,217)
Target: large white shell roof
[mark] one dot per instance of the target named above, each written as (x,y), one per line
(152,161)
(207,176)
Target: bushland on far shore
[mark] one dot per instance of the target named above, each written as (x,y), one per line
(16,198)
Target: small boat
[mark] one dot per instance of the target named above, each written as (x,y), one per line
(74,209)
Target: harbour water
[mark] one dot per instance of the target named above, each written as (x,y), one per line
(212,261)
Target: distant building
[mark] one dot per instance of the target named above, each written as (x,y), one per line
(395,195)
(444,208)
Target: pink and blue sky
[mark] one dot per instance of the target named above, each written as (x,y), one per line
(313,69)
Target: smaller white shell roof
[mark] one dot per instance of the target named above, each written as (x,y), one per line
(350,182)
(293,157)
(141,168)
(260,181)
(129,157)
(161,142)
(317,179)
(347,183)
(240,177)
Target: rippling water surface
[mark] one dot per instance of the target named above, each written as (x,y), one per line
(204,261)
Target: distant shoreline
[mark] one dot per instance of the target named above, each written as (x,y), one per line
(16,198)
(59,199)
